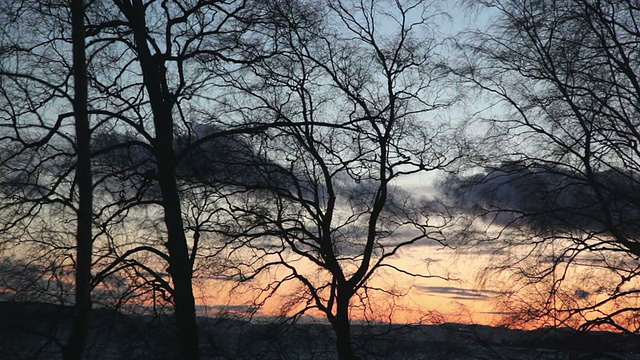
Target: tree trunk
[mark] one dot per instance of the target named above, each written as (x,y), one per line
(75,346)
(180,267)
(342,328)
(162,102)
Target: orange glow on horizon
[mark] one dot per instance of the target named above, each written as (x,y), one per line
(418,300)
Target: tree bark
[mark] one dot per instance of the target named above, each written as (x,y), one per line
(74,349)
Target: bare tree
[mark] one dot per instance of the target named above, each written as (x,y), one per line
(557,179)
(26,132)
(157,95)
(354,107)
(39,178)
(83,177)
(46,174)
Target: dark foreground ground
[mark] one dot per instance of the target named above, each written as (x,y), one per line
(34,331)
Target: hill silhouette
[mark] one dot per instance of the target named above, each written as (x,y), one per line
(33,330)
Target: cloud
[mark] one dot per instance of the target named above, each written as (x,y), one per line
(581,294)
(248,309)
(202,154)
(549,198)
(497,312)
(458,293)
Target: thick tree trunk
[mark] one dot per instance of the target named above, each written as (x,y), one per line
(75,346)
(180,267)
(342,328)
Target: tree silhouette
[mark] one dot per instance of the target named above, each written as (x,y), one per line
(351,103)
(131,93)
(558,174)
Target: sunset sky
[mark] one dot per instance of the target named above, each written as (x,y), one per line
(452,285)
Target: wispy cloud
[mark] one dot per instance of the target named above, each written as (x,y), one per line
(496,312)
(247,309)
(458,293)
